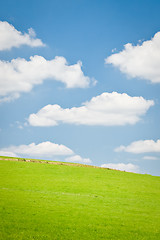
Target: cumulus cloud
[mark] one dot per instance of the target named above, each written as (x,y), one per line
(141,146)
(142,60)
(79,159)
(122,167)
(10,37)
(21,75)
(44,149)
(106,109)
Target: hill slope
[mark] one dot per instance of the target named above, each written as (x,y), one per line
(52,201)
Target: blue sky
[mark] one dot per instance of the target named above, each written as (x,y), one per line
(110,91)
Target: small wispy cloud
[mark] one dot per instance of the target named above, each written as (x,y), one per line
(129,167)
(151,158)
(141,146)
(79,159)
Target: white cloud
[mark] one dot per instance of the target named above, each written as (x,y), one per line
(79,159)
(20,75)
(122,167)
(10,37)
(142,61)
(44,149)
(106,109)
(150,158)
(7,153)
(141,146)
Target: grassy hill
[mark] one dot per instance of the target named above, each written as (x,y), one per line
(71,201)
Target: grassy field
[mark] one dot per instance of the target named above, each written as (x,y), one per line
(53,201)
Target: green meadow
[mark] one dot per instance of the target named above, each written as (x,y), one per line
(58,201)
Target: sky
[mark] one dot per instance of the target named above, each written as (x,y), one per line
(80,82)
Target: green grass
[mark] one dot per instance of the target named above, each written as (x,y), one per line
(45,201)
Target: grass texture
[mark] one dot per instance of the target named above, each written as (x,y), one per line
(65,202)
